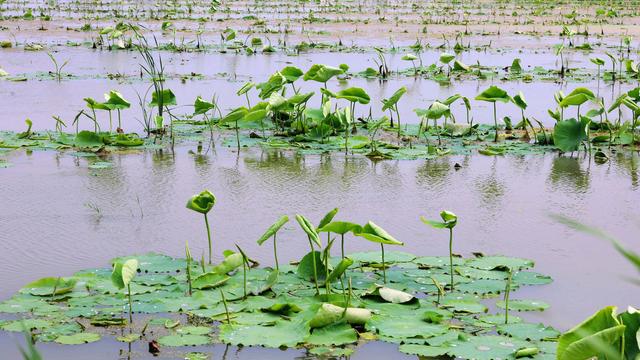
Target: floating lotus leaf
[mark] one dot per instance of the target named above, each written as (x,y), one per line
(407,326)
(500,262)
(283,334)
(528,331)
(524,305)
(331,352)
(155,263)
(209,280)
(484,286)
(530,278)
(78,339)
(193,330)
(129,338)
(336,334)
(49,286)
(423,350)
(498,319)
(184,340)
(21,325)
(487,347)
(437,261)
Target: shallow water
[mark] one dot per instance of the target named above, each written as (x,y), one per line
(73,217)
(40,100)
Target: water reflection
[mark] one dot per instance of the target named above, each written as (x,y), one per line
(567,174)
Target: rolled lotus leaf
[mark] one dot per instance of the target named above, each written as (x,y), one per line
(202,202)
(328,314)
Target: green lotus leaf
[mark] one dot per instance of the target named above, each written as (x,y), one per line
(194,330)
(209,280)
(520,101)
(322,73)
(393,99)
(166,97)
(484,286)
(28,324)
(300,98)
(527,331)
(631,321)
(530,278)
(283,334)
(273,229)
(598,336)
(493,94)
(184,340)
(202,202)
(523,305)
(201,106)
(500,262)
(340,227)
(446,58)
(129,338)
(329,314)
(354,94)
(335,334)
(309,229)
(305,267)
(78,339)
(467,306)
(406,326)
(88,139)
(460,66)
(115,101)
(49,286)
(331,352)
(569,134)
(337,272)
(375,233)
(245,88)
(409,57)
(394,296)
(291,73)
(487,347)
(423,350)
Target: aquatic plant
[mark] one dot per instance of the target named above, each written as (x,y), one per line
(203,203)
(121,277)
(57,67)
(312,236)
(449,221)
(494,94)
(376,234)
(272,231)
(115,101)
(391,104)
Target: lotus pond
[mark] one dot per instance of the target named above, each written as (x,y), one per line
(362,179)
